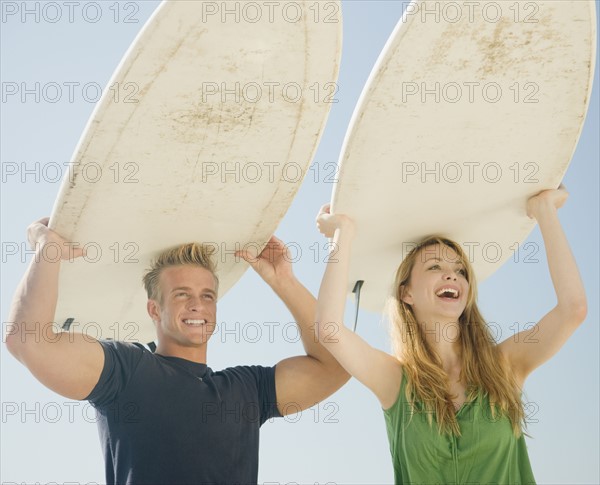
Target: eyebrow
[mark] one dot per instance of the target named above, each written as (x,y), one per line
(428,260)
(187,288)
(435,258)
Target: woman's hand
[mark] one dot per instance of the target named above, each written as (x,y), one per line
(327,223)
(553,198)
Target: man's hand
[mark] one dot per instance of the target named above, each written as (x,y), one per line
(304,380)
(273,264)
(69,363)
(38,234)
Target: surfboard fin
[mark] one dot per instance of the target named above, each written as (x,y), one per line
(67,325)
(356,291)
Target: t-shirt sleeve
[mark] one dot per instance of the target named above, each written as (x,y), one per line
(120,361)
(267,395)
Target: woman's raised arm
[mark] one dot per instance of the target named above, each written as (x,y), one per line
(376,369)
(532,347)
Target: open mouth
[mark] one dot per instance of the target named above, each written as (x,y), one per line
(194,323)
(448,293)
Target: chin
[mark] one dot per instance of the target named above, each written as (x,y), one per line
(200,340)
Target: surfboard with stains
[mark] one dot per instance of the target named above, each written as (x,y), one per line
(215,124)
(471,108)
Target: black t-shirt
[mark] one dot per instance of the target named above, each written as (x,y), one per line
(170,421)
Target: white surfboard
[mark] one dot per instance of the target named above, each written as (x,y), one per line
(209,125)
(467,113)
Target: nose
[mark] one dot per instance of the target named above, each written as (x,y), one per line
(450,275)
(194,304)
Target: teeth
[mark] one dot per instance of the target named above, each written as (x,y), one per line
(194,322)
(441,291)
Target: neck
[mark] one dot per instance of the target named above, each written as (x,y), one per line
(195,354)
(444,339)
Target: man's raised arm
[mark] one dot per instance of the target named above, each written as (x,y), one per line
(300,381)
(68,363)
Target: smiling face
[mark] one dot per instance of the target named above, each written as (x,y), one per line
(186,312)
(438,288)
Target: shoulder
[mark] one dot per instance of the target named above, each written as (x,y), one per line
(248,380)
(118,346)
(124,354)
(253,384)
(121,361)
(248,372)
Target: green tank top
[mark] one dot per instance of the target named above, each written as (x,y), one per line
(487,452)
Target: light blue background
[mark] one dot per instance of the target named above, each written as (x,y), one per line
(343,439)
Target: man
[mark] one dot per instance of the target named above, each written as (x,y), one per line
(165,417)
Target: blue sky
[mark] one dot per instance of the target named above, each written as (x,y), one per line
(47,438)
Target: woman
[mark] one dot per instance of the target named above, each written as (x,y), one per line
(450,395)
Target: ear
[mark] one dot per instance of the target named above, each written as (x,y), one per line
(153,311)
(406,295)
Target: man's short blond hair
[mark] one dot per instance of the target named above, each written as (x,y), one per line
(193,254)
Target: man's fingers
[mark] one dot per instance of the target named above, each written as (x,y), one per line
(275,243)
(43,221)
(270,253)
(78,252)
(246,256)
(273,248)
(273,239)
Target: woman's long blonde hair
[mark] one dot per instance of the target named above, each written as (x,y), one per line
(483,368)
